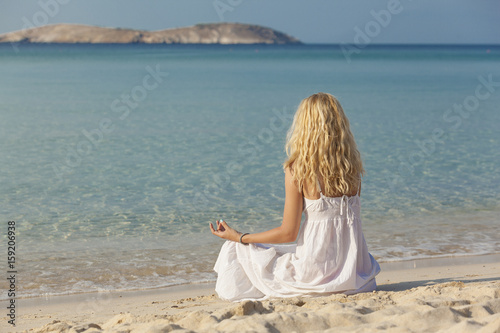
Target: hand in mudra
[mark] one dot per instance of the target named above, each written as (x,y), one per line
(224,231)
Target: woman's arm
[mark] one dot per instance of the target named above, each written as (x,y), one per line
(286,232)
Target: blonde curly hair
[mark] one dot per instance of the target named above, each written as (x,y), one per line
(320,145)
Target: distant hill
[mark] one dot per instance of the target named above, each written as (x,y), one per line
(211,33)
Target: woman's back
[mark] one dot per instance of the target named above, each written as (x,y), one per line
(331,240)
(312,190)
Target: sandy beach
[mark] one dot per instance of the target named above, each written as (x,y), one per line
(459,294)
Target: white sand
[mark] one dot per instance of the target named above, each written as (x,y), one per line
(438,295)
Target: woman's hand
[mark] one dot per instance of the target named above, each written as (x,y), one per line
(226,232)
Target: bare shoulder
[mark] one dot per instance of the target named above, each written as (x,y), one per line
(288,176)
(290,183)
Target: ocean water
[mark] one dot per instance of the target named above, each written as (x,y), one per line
(114,158)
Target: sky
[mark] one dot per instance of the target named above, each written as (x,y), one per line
(311,21)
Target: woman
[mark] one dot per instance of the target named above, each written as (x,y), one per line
(322,179)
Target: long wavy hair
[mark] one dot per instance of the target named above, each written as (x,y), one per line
(320,145)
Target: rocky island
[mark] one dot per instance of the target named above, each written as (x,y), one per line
(211,33)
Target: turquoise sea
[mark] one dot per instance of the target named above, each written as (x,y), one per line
(114,158)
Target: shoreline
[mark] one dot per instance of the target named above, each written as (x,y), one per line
(100,308)
(385,265)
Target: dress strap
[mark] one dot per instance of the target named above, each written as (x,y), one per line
(344,202)
(345,208)
(319,186)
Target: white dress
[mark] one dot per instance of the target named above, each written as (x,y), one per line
(330,256)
